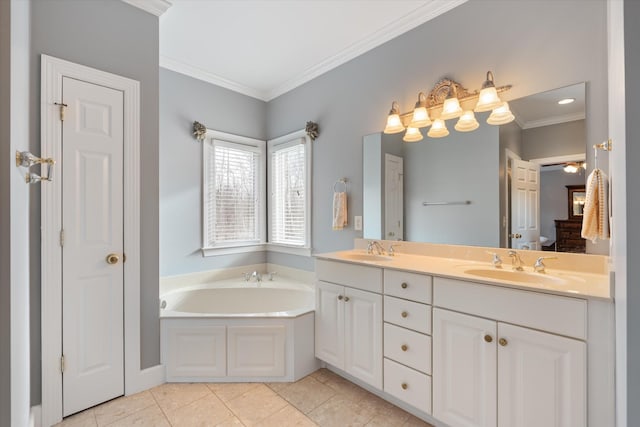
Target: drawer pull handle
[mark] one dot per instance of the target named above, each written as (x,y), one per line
(404,386)
(503,342)
(488,338)
(340,297)
(404,347)
(404,285)
(346,299)
(404,314)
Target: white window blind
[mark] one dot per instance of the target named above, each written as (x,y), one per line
(233,189)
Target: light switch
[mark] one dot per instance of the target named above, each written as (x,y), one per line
(357,222)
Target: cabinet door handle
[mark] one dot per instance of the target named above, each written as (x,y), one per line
(503,342)
(404,347)
(404,285)
(346,299)
(340,297)
(488,338)
(404,314)
(404,386)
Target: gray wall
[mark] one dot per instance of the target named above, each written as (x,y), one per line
(183,100)
(534,46)
(115,37)
(462,166)
(555,140)
(553,198)
(632,76)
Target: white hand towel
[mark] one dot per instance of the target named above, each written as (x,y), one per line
(595,219)
(339,210)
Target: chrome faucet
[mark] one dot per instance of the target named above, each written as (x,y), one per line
(539,266)
(516,261)
(392,251)
(257,276)
(497,261)
(374,245)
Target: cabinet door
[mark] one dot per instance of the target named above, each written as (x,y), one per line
(464,369)
(329,323)
(363,336)
(541,379)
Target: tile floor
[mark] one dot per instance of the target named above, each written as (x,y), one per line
(320,399)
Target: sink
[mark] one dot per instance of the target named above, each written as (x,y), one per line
(515,276)
(363,256)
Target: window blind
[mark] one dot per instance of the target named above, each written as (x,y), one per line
(233,194)
(288,195)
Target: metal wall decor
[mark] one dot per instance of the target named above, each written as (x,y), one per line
(199,131)
(312,130)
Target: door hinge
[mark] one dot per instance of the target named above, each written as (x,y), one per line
(62,238)
(62,106)
(62,364)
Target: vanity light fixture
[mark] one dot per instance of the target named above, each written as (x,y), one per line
(394,124)
(412,135)
(448,100)
(566,101)
(574,167)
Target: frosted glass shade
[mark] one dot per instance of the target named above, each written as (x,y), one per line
(571,168)
(467,122)
(501,115)
(412,135)
(451,109)
(420,118)
(438,129)
(487,100)
(394,124)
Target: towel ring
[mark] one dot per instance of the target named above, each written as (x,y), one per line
(339,182)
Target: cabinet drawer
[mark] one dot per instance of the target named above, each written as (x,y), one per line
(408,314)
(408,385)
(412,286)
(552,313)
(408,347)
(355,276)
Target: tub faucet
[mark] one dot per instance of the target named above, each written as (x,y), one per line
(516,261)
(374,245)
(257,276)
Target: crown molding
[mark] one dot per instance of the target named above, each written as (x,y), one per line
(200,74)
(154,7)
(554,120)
(408,22)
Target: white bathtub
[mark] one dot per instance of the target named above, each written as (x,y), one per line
(236,331)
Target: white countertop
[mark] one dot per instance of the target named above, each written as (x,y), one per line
(554,281)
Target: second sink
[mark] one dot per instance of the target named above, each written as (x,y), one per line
(515,276)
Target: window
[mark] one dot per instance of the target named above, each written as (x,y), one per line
(290,193)
(233,191)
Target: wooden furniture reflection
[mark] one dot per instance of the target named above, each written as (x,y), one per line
(568,236)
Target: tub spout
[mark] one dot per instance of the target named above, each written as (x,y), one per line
(257,276)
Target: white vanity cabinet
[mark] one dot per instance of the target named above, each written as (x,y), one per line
(349,319)
(508,358)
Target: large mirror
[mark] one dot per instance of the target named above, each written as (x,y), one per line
(465,188)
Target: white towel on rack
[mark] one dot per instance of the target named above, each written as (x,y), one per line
(339,210)
(595,219)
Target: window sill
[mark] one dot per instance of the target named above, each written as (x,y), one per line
(291,250)
(258,247)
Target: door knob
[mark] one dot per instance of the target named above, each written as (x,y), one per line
(515,236)
(113,259)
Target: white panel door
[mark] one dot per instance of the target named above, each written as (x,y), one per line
(329,323)
(464,369)
(92,197)
(541,379)
(393,197)
(525,205)
(363,335)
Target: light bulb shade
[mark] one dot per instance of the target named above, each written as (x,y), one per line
(487,100)
(571,168)
(394,124)
(501,115)
(451,109)
(467,122)
(412,135)
(438,129)
(420,118)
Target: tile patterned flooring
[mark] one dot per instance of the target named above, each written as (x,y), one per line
(320,399)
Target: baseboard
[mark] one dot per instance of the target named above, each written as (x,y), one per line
(35,416)
(146,379)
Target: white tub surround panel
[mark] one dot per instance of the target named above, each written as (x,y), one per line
(498,349)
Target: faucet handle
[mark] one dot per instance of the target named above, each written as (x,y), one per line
(497,261)
(246,276)
(271,274)
(392,251)
(539,266)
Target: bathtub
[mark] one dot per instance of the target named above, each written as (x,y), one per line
(237,331)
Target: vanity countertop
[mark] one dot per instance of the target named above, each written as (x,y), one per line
(554,281)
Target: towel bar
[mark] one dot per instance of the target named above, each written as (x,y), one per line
(463,202)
